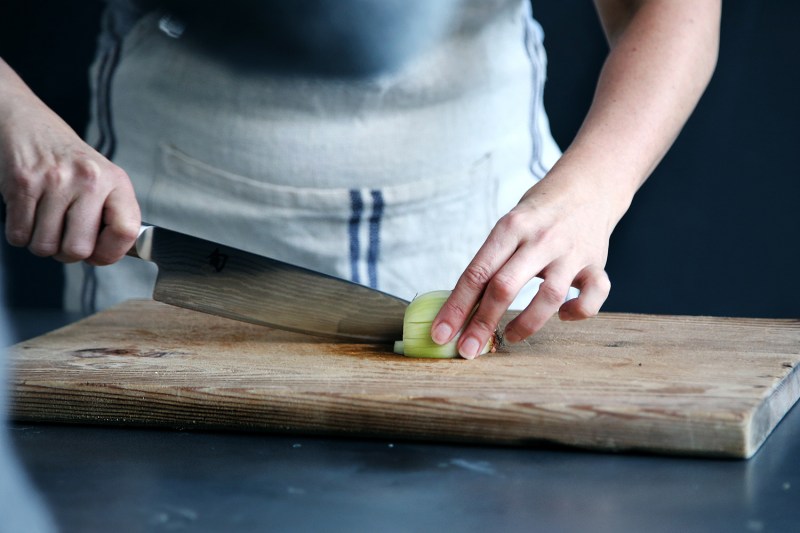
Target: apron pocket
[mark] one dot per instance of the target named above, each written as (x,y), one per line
(402,239)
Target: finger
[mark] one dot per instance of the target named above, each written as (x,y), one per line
(81,225)
(21,194)
(498,296)
(121,223)
(595,287)
(20,214)
(48,225)
(497,249)
(549,297)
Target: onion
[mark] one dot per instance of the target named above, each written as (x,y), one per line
(417,341)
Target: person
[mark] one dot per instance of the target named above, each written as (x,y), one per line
(403,145)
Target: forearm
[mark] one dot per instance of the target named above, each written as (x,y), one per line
(17,100)
(12,89)
(9,80)
(663,53)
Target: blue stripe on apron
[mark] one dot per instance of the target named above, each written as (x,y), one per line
(357,210)
(374,237)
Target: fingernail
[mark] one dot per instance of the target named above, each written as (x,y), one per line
(470,348)
(441,333)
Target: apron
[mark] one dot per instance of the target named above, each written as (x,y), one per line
(392,180)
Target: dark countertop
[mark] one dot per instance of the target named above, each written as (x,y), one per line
(127,479)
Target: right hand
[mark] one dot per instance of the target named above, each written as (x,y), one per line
(63,199)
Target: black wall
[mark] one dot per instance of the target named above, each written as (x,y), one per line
(714,231)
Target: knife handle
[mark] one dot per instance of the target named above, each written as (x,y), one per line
(143,247)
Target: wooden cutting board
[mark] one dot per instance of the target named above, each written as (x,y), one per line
(664,384)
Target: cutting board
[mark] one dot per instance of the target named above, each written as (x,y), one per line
(617,382)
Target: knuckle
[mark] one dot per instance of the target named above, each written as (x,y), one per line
(114,244)
(88,167)
(452,308)
(502,288)
(43,248)
(476,276)
(483,324)
(104,255)
(17,237)
(455,309)
(20,184)
(551,294)
(89,181)
(528,227)
(603,282)
(54,178)
(89,176)
(127,232)
(75,252)
(513,222)
(598,279)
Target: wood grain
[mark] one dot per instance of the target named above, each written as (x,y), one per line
(663,384)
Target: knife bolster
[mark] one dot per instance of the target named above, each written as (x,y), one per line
(143,248)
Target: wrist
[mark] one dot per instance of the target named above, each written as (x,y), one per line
(589,181)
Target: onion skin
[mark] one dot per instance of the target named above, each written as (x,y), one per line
(417,341)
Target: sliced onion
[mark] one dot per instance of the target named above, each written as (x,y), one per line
(417,341)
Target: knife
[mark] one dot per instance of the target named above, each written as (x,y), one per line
(220,280)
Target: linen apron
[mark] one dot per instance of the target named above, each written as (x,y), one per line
(392,181)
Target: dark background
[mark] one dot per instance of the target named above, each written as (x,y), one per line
(714,231)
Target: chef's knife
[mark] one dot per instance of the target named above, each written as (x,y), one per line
(224,281)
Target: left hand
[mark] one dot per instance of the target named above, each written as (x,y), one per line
(662,56)
(559,232)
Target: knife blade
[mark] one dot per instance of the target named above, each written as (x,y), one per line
(221,280)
